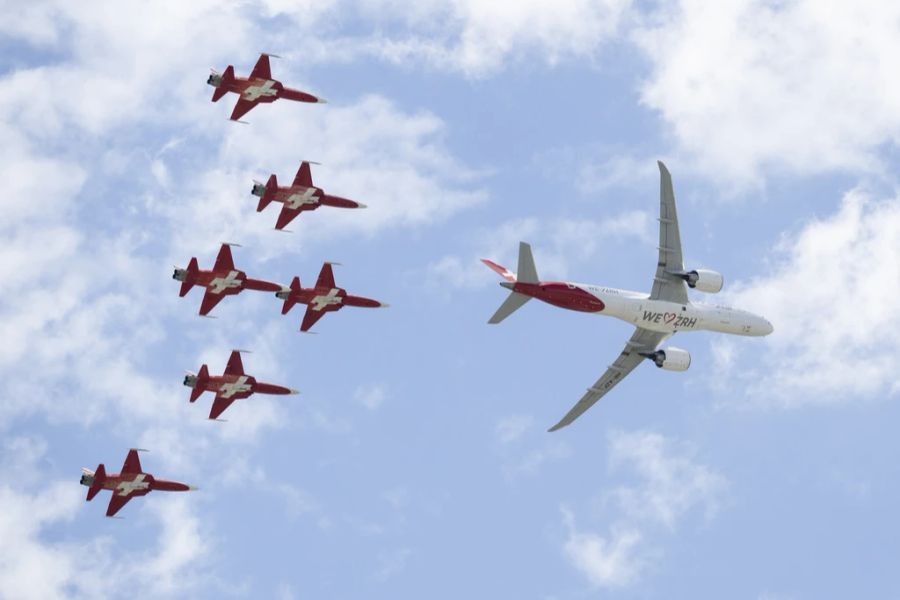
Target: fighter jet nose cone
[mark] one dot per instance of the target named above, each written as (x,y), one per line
(193,488)
(321,101)
(293,391)
(361,205)
(383,305)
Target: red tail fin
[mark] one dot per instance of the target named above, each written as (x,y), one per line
(190,277)
(97,485)
(224,84)
(291,300)
(202,378)
(269,194)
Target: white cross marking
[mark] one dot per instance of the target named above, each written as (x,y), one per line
(219,284)
(320,302)
(227,390)
(297,200)
(126,487)
(255,91)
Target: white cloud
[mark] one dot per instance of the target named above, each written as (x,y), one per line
(391,563)
(610,561)
(670,484)
(831,293)
(803,86)
(31,566)
(511,428)
(478,38)
(371,396)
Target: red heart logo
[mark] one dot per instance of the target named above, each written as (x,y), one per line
(669,317)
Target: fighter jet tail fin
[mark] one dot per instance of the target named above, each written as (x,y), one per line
(268,194)
(199,383)
(291,299)
(190,276)
(226,79)
(97,484)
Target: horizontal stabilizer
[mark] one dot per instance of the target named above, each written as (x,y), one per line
(509,306)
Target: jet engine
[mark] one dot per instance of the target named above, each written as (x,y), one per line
(190,380)
(87,477)
(704,280)
(670,359)
(258,189)
(214,80)
(179,274)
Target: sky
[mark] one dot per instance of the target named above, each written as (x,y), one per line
(415,462)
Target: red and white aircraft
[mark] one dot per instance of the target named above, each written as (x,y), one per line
(299,196)
(256,89)
(232,385)
(657,316)
(131,482)
(323,298)
(223,280)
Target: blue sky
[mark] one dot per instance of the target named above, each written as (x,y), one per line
(415,462)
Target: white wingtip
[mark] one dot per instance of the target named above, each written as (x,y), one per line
(282,230)
(243,351)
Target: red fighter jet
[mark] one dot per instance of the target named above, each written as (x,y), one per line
(299,196)
(131,482)
(325,297)
(256,89)
(223,280)
(232,385)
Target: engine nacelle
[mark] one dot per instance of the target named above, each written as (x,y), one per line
(190,380)
(87,477)
(705,280)
(179,274)
(258,189)
(670,359)
(214,80)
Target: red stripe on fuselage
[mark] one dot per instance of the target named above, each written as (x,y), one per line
(564,295)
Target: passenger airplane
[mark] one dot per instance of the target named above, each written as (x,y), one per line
(666,311)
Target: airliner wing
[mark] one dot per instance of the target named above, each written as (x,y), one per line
(667,286)
(643,340)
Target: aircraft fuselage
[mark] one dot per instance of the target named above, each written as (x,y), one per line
(637,308)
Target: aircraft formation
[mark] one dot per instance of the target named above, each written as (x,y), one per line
(224,279)
(657,316)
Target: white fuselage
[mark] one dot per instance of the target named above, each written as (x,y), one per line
(670,317)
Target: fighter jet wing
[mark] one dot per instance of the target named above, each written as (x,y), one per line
(287,215)
(309,319)
(666,285)
(326,277)
(210,299)
(224,262)
(304,176)
(242,107)
(643,340)
(132,462)
(219,405)
(262,70)
(234,366)
(116,503)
